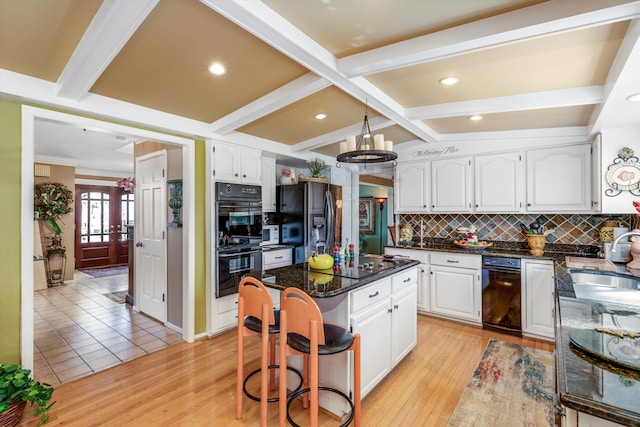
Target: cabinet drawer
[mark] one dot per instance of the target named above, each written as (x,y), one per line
(370,295)
(227,303)
(281,257)
(456,260)
(228,319)
(404,279)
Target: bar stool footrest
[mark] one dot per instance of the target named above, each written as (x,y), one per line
(272,399)
(292,396)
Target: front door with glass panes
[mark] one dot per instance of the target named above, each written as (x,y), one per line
(102,214)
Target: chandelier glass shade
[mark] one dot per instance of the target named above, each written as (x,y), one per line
(364,149)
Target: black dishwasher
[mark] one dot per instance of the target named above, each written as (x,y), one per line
(501,295)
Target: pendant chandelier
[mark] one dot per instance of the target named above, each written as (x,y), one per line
(360,149)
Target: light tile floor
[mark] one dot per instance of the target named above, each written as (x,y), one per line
(79,331)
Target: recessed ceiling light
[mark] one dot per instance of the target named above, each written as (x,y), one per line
(475,118)
(217,69)
(634,98)
(449,81)
(320,116)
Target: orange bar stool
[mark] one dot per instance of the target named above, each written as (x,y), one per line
(256,317)
(306,333)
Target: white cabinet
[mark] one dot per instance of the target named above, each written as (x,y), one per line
(411,187)
(277,258)
(403,317)
(455,286)
(559,179)
(384,314)
(237,164)
(538,296)
(375,338)
(451,185)
(423,275)
(226,312)
(268,184)
(498,182)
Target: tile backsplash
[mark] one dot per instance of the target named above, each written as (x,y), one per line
(569,229)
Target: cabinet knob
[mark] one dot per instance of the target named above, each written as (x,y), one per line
(244,176)
(139,245)
(528,204)
(433,206)
(235,174)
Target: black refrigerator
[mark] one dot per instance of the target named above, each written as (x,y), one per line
(310,214)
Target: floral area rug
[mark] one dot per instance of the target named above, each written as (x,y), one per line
(118,297)
(512,386)
(106,271)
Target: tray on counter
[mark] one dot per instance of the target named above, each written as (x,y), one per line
(465,244)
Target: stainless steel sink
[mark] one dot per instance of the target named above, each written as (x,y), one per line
(606,286)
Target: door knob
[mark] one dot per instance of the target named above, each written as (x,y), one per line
(139,245)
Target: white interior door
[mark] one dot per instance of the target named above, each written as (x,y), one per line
(151,250)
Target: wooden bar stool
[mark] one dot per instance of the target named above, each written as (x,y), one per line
(304,332)
(256,317)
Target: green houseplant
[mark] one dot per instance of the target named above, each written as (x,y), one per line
(317,166)
(16,389)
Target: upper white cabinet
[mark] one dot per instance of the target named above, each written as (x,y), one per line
(559,179)
(498,182)
(451,185)
(237,164)
(412,191)
(268,184)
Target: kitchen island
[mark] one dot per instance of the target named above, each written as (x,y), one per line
(593,391)
(378,302)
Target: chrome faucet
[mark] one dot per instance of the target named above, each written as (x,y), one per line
(622,236)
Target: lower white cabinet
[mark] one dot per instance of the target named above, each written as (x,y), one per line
(423,274)
(387,326)
(226,312)
(277,258)
(456,286)
(537,298)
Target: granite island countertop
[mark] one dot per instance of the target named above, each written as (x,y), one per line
(327,284)
(585,383)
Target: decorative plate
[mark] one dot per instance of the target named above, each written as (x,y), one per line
(624,176)
(467,245)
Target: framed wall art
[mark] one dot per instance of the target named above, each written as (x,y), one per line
(366,215)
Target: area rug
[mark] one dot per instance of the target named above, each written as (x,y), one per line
(118,297)
(512,386)
(106,271)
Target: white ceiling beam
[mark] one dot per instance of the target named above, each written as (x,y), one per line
(529,101)
(273,29)
(623,80)
(340,134)
(279,98)
(534,21)
(112,26)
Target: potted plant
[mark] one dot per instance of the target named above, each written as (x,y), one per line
(16,389)
(317,166)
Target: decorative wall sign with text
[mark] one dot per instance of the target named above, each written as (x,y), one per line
(623,174)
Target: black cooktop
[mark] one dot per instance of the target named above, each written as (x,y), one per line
(364,268)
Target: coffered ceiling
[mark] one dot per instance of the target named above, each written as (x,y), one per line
(523,65)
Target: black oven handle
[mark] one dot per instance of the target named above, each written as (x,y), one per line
(238,253)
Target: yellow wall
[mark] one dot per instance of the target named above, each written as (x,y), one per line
(10,216)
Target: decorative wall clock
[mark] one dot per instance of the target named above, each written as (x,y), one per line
(623,174)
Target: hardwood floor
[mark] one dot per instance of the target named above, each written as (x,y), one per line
(194,384)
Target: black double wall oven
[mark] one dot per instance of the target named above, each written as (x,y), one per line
(238,225)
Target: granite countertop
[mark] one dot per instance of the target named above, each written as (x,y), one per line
(585,383)
(553,252)
(323,284)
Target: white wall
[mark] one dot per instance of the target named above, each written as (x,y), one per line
(612,141)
